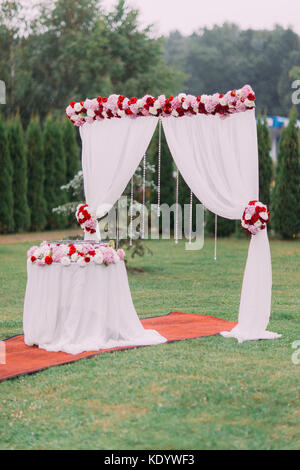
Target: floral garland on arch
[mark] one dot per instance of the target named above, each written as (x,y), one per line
(118,106)
(86,219)
(255,217)
(82,254)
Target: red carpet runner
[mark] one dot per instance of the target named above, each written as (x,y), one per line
(176,326)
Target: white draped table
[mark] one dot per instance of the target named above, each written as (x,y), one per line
(74,309)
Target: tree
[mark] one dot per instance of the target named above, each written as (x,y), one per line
(55,170)
(71,149)
(6,192)
(286,207)
(19,186)
(36,175)
(265,161)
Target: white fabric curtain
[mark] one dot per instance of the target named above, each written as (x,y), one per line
(111,152)
(218,159)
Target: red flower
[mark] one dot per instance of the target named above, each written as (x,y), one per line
(198,98)
(251,203)
(92,252)
(48,260)
(33,258)
(221,95)
(72,103)
(87,259)
(233,93)
(251,97)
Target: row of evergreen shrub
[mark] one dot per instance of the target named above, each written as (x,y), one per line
(34,165)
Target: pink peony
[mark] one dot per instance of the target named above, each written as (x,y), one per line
(121,254)
(31,251)
(108,256)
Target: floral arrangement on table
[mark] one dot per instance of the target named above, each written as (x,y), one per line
(118,106)
(255,217)
(82,254)
(86,219)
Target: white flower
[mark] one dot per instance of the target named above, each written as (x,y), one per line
(153,110)
(75,117)
(175,113)
(121,112)
(181,95)
(98,258)
(81,262)
(238,93)
(258,223)
(140,103)
(247,216)
(223,101)
(204,98)
(157,104)
(90,112)
(185,105)
(195,109)
(104,113)
(264,215)
(77,107)
(249,103)
(65,261)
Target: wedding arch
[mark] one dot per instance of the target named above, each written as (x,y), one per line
(213,141)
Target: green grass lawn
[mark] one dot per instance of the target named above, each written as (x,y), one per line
(197,394)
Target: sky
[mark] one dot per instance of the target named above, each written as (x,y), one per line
(189,15)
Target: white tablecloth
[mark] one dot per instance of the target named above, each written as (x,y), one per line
(74,309)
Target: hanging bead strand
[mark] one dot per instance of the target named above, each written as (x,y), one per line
(216,233)
(131,211)
(144,197)
(158,167)
(191,217)
(176,210)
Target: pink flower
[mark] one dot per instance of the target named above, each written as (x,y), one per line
(58,253)
(121,254)
(108,256)
(31,251)
(246,90)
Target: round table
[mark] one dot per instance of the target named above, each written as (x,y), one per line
(75,309)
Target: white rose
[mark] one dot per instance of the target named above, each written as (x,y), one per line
(98,258)
(139,103)
(65,261)
(248,216)
(81,262)
(264,215)
(238,93)
(249,103)
(174,113)
(195,109)
(181,95)
(90,113)
(153,110)
(258,223)
(157,104)
(74,257)
(185,105)
(75,117)
(121,112)
(77,107)
(223,102)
